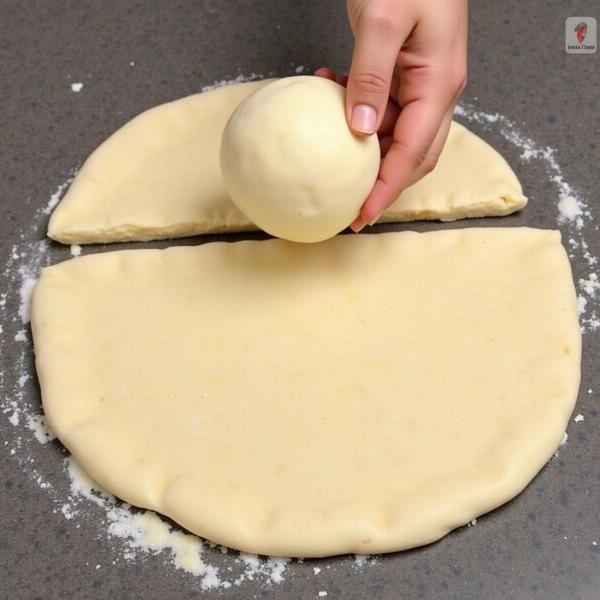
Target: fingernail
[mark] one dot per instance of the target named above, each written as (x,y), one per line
(363,118)
(375,219)
(358,225)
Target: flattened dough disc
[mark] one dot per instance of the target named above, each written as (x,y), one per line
(366,394)
(158,177)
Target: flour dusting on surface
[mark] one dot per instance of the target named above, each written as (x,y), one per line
(241,78)
(25,293)
(230,81)
(58,194)
(41,429)
(563,443)
(144,532)
(362,560)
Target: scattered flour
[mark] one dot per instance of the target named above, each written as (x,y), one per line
(563,442)
(230,81)
(14,413)
(579,418)
(144,532)
(75,250)
(32,258)
(17,380)
(27,285)
(241,78)
(57,195)
(76,87)
(40,428)
(21,336)
(570,208)
(364,560)
(589,290)
(590,285)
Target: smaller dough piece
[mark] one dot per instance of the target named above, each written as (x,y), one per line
(158,177)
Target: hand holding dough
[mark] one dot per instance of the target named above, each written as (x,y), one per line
(292,165)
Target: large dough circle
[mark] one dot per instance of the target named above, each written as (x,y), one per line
(366,394)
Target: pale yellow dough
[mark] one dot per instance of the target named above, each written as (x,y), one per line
(366,394)
(292,165)
(158,177)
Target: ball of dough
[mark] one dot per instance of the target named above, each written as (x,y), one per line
(290,162)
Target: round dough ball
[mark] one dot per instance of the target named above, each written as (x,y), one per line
(291,163)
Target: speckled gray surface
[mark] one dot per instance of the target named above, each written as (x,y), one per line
(540,545)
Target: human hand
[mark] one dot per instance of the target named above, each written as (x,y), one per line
(408,71)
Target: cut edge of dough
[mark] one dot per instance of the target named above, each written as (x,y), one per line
(130,232)
(476,208)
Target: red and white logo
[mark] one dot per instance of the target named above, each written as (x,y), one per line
(581,31)
(581,35)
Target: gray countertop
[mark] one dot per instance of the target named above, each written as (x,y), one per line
(133,55)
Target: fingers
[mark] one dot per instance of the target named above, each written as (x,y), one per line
(326,73)
(388,122)
(390,115)
(414,54)
(438,143)
(384,144)
(411,155)
(428,88)
(378,39)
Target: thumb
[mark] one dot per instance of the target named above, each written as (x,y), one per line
(377,43)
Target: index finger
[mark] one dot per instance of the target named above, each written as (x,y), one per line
(415,130)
